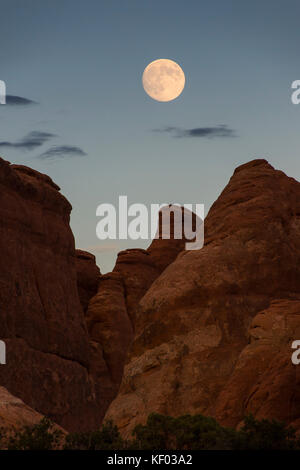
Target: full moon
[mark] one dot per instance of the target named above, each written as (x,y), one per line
(163,80)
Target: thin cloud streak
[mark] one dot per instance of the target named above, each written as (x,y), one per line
(199,132)
(62,151)
(30,142)
(18,101)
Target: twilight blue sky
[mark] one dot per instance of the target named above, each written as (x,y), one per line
(82,62)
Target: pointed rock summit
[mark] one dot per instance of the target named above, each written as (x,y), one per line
(195,348)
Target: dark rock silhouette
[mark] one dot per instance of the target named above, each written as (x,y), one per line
(88,276)
(42,321)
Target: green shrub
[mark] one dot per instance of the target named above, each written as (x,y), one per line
(185,432)
(266,435)
(161,432)
(41,436)
(106,438)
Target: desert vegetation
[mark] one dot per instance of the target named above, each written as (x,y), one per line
(186,432)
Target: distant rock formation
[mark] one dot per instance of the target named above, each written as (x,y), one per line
(194,349)
(88,276)
(111,314)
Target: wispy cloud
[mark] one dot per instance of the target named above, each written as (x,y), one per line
(31,141)
(62,151)
(18,101)
(201,132)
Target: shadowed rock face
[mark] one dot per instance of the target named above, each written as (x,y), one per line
(192,325)
(111,332)
(111,314)
(88,276)
(42,321)
(264,381)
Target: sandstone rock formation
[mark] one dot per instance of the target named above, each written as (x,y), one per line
(264,381)
(111,332)
(192,326)
(167,243)
(42,322)
(14,413)
(208,331)
(111,314)
(88,276)
(62,364)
